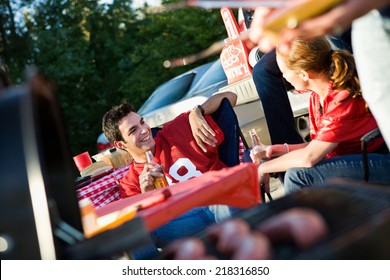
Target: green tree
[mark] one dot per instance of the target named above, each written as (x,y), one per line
(165,36)
(15,44)
(99,55)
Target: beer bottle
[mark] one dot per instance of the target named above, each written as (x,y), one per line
(159,182)
(255,141)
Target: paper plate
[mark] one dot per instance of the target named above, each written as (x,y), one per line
(96,169)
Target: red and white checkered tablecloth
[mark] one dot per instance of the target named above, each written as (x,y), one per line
(104,190)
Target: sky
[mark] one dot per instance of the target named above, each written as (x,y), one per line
(138,3)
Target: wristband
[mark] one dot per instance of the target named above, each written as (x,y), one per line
(287,149)
(200,108)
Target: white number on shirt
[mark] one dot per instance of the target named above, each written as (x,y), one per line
(188,165)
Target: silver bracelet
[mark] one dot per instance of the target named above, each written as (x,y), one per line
(287,149)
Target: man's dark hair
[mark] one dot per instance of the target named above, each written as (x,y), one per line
(112,118)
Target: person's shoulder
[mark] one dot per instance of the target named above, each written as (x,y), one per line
(182,117)
(338,95)
(132,171)
(179,118)
(175,125)
(342,106)
(343,99)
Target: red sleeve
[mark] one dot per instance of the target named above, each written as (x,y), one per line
(129,185)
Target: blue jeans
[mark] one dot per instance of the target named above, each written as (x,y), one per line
(349,167)
(145,252)
(188,224)
(185,225)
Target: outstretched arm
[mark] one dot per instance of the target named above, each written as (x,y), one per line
(202,132)
(300,155)
(212,104)
(332,22)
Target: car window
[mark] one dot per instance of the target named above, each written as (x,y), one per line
(167,93)
(200,70)
(214,75)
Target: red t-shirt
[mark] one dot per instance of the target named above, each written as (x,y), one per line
(177,151)
(343,122)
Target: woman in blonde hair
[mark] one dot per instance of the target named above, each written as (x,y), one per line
(339,117)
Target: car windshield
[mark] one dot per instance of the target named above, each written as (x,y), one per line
(168,93)
(202,80)
(214,76)
(174,89)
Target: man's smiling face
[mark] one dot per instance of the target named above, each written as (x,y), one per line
(137,136)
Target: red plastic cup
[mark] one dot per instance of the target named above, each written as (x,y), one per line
(82,161)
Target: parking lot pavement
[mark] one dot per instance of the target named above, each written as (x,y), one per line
(277,189)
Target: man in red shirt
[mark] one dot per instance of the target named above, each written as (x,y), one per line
(176,150)
(185,147)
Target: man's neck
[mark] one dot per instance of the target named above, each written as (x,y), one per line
(141,157)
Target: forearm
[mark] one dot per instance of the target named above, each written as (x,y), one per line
(284,162)
(278,150)
(202,132)
(212,104)
(339,18)
(299,155)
